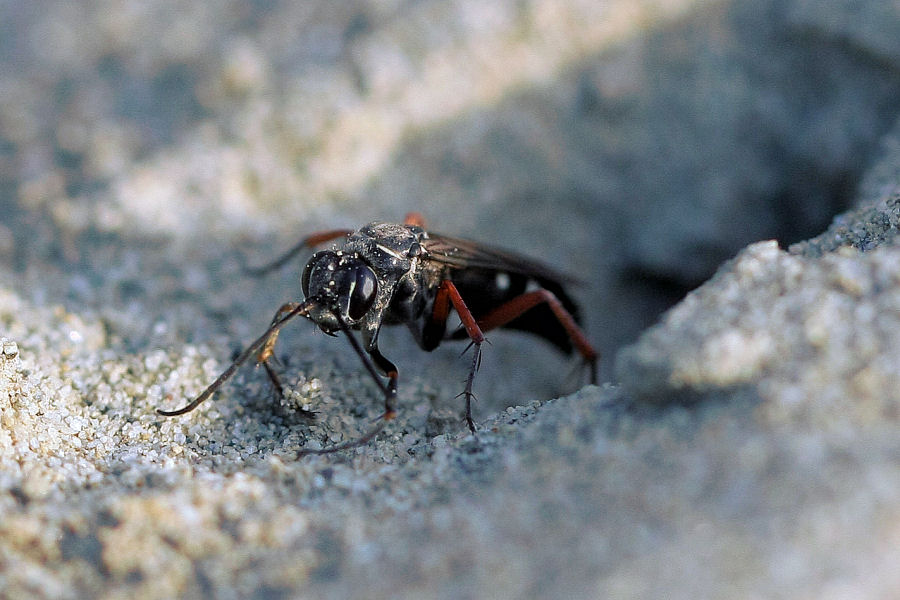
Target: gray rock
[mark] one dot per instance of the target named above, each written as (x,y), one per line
(875,219)
(807,342)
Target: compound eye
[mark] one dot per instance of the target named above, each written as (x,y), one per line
(362,295)
(320,269)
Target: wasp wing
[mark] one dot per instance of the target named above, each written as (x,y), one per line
(488,277)
(459,253)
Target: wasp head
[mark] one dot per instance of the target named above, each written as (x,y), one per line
(340,283)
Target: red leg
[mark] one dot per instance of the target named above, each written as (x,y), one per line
(519,305)
(447,294)
(309,241)
(414,218)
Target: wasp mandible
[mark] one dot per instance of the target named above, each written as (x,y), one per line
(400,273)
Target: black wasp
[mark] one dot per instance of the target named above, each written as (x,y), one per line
(388,274)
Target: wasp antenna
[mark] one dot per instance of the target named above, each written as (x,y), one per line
(365,439)
(307,242)
(271,266)
(301,308)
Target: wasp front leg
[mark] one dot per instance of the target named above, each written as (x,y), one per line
(267,352)
(267,339)
(373,360)
(390,391)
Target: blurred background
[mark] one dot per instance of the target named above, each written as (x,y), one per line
(147,147)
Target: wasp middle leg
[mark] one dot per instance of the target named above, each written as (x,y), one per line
(446,296)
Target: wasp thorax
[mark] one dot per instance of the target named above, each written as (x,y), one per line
(342,282)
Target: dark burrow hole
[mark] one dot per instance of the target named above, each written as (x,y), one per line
(765,134)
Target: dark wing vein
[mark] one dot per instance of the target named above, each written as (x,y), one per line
(460,253)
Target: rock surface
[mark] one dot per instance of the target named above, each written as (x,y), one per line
(749,446)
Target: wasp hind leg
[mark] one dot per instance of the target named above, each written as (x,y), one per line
(519,305)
